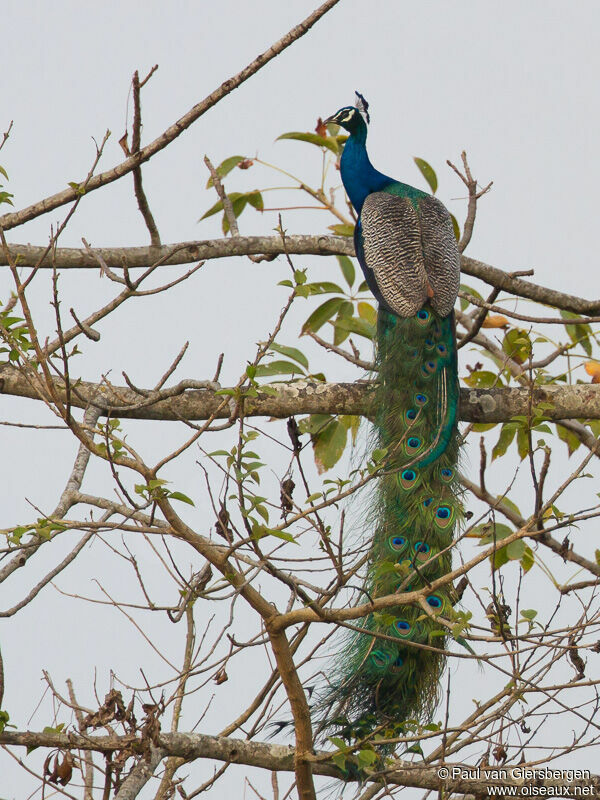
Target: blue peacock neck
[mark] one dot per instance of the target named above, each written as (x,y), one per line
(359,176)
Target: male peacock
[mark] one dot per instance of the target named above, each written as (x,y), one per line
(406,246)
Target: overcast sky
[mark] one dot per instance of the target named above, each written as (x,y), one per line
(513,83)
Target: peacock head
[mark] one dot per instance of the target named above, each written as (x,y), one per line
(354,119)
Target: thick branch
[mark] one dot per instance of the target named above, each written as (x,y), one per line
(189,252)
(581,401)
(279,758)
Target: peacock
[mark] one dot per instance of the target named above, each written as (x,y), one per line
(405,244)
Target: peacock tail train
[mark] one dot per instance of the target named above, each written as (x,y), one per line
(390,672)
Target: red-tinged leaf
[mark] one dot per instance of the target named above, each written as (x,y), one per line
(321,129)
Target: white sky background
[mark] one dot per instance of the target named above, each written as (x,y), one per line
(514,84)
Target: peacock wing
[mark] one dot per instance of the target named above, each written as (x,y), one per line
(391,245)
(440,253)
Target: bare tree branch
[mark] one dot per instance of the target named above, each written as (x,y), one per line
(9,221)
(187,252)
(189,400)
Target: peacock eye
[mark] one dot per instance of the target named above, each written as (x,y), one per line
(422,547)
(409,475)
(420,399)
(397,542)
(447,473)
(411,414)
(427,502)
(443,512)
(414,442)
(422,314)
(434,601)
(379,658)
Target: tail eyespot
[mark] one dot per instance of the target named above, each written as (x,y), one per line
(407,478)
(434,601)
(422,551)
(397,542)
(379,658)
(413,444)
(398,663)
(421,399)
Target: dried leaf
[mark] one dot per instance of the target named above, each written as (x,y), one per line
(593,368)
(221,677)
(124,144)
(287,490)
(222,527)
(495,321)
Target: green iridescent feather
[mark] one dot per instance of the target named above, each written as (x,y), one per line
(384,682)
(389,673)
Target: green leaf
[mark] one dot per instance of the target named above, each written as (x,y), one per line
(348,270)
(517,345)
(569,438)
(341,229)
(500,558)
(315,496)
(509,504)
(356,325)
(323,287)
(366,758)
(468,290)
(345,311)
(493,532)
(218,206)
(4,172)
(4,717)
(329,444)
(339,759)
(225,168)
(522,442)
(516,550)
(428,173)
(483,379)
(182,497)
(481,427)
(323,313)
(455,227)
(367,312)
(579,334)
(255,199)
(364,287)
(291,352)
(529,614)
(312,138)
(278,367)
(507,434)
